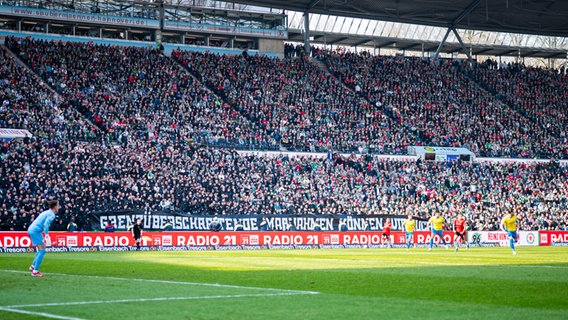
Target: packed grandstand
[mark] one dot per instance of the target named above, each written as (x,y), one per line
(119,128)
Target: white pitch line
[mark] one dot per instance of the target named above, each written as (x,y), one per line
(42,314)
(14,308)
(74,303)
(173,282)
(525,266)
(485,265)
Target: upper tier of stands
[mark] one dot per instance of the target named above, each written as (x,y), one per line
(445,107)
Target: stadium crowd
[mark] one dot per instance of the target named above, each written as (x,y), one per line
(211,181)
(297,104)
(540,94)
(446,108)
(134,94)
(27,103)
(139,145)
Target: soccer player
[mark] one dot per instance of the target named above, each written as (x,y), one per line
(409,225)
(436,223)
(387,232)
(509,225)
(137,233)
(460,231)
(41,225)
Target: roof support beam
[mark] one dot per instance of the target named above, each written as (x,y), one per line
(358,43)
(478,52)
(528,54)
(463,46)
(386,44)
(307,46)
(340,39)
(411,46)
(442,43)
(452,27)
(464,13)
(505,53)
(311,5)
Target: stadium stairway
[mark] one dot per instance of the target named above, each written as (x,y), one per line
(50,88)
(320,64)
(483,86)
(217,93)
(23,64)
(195,75)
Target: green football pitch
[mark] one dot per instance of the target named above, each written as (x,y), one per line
(480,283)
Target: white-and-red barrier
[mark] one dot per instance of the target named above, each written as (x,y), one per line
(118,241)
(554,238)
(500,238)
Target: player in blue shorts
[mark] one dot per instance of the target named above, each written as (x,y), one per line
(37,230)
(437,224)
(509,225)
(409,225)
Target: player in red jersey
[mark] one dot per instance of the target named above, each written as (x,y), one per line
(387,232)
(460,232)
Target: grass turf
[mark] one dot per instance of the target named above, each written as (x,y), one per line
(481,283)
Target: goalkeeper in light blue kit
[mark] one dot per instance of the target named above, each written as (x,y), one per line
(37,230)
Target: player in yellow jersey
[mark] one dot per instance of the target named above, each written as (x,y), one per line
(409,225)
(437,223)
(509,225)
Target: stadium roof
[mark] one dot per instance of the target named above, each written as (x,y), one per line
(350,40)
(539,17)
